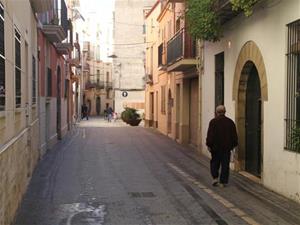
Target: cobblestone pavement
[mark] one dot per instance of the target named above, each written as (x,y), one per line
(113,174)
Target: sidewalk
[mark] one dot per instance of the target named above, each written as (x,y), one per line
(288,209)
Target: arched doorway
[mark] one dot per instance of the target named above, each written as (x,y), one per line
(58,103)
(98,105)
(252,120)
(170,105)
(249,92)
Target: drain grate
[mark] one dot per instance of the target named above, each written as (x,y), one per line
(141,194)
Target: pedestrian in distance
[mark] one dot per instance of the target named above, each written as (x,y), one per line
(115,116)
(109,114)
(84,112)
(221,140)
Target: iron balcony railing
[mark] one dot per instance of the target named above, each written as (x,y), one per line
(108,84)
(56,16)
(181,46)
(95,84)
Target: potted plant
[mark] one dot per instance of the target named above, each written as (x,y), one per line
(131,117)
(295,137)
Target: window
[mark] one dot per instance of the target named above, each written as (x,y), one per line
(163,99)
(107,77)
(107,94)
(219,79)
(293,88)
(2,60)
(33,80)
(49,82)
(66,87)
(18,84)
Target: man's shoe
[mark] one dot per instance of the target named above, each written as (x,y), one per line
(215,183)
(222,185)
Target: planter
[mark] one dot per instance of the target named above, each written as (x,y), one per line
(131,117)
(135,122)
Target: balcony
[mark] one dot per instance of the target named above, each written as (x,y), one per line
(108,85)
(55,23)
(161,57)
(40,6)
(94,84)
(64,48)
(181,52)
(74,62)
(224,10)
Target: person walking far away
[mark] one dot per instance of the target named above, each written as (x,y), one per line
(109,113)
(85,112)
(221,140)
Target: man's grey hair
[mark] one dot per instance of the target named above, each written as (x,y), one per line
(220,110)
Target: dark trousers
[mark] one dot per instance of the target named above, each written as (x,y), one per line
(220,158)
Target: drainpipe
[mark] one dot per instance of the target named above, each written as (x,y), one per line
(200,59)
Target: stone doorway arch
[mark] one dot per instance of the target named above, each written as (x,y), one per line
(250,57)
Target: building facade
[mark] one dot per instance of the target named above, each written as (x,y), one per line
(19,115)
(172,91)
(254,71)
(129,54)
(55,75)
(98,93)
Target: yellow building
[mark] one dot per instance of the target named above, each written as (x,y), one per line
(19,121)
(172,91)
(98,93)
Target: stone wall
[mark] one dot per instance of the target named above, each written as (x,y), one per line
(17,161)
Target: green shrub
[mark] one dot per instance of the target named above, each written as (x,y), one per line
(129,114)
(295,139)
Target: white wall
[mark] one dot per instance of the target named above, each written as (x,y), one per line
(267,28)
(133,96)
(129,47)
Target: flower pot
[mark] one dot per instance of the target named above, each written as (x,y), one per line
(135,122)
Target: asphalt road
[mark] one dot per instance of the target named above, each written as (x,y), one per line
(113,174)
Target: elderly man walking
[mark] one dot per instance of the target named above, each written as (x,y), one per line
(221,139)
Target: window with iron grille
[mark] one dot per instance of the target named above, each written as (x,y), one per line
(49,82)
(2,60)
(293,88)
(18,84)
(33,81)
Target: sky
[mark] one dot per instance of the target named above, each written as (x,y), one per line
(98,15)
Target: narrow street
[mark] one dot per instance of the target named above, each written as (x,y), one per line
(110,173)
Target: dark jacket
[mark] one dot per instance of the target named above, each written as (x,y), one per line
(221,134)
